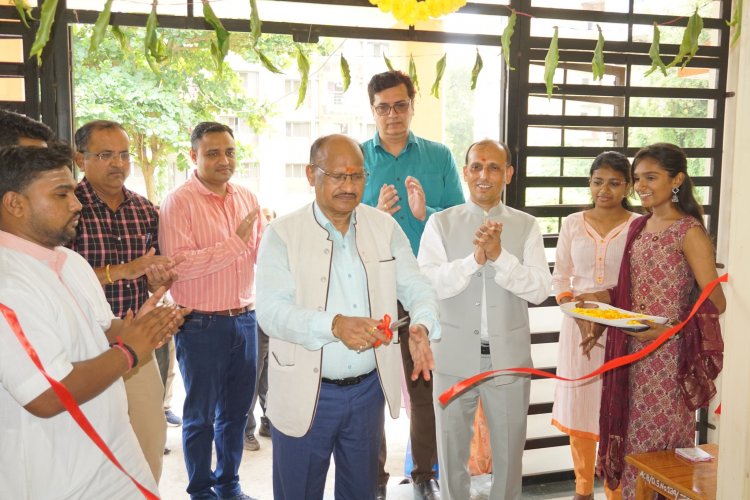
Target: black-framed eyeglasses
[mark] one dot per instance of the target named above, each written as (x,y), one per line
(110,155)
(399,107)
(338,179)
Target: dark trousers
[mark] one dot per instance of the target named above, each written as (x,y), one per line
(216,355)
(261,388)
(348,423)
(422,418)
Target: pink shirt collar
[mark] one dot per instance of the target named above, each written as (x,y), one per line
(196,184)
(53,258)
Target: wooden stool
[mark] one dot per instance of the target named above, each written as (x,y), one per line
(674,477)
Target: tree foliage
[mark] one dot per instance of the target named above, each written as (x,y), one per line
(159,112)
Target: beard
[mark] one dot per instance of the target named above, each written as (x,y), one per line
(49,235)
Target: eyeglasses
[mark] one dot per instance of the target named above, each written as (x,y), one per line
(399,107)
(110,155)
(612,183)
(338,179)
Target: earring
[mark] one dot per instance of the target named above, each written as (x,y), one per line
(675,190)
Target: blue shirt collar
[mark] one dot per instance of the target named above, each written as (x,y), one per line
(328,225)
(412,139)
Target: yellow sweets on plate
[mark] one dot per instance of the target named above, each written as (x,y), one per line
(606,313)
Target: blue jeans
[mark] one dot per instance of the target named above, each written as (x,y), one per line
(217,356)
(348,423)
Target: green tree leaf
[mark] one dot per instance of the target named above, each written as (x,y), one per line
(653,53)
(255,24)
(413,72)
(304,73)
(387,62)
(46,19)
(220,45)
(689,45)
(100,27)
(24,11)
(478,64)
(597,63)
(550,64)
(507,35)
(439,70)
(345,74)
(736,21)
(120,36)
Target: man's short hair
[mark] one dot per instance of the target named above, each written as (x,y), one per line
(83,134)
(14,126)
(204,128)
(485,142)
(388,80)
(20,165)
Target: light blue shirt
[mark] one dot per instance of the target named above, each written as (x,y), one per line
(347,295)
(430,162)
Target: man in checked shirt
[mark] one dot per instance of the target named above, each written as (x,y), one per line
(117,235)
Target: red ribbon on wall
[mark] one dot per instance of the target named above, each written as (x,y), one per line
(66,398)
(609,365)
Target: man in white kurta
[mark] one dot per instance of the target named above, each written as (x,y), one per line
(63,313)
(487,263)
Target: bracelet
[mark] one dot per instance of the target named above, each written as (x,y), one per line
(333,324)
(563,295)
(125,347)
(125,353)
(107,275)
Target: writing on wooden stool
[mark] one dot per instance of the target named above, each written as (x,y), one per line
(666,489)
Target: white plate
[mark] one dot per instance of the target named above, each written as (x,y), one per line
(623,323)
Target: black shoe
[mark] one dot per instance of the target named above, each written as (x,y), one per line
(429,490)
(265,427)
(380,493)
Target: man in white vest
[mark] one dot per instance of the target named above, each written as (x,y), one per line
(327,275)
(487,262)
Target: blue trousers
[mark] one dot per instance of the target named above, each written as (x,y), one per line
(217,356)
(348,423)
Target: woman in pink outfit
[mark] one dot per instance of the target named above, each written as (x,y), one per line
(589,251)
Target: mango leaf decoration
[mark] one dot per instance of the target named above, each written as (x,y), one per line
(653,53)
(46,19)
(388,63)
(304,73)
(100,27)
(413,72)
(597,63)
(120,36)
(219,46)
(24,11)
(345,73)
(155,49)
(550,64)
(736,22)
(255,23)
(266,62)
(439,70)
(505,39)
(478,64)
(689,45)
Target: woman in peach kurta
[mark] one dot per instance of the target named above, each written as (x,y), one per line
(589,252)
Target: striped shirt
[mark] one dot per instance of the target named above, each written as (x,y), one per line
(105,236)
(218,271)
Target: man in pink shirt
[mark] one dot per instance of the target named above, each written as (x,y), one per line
(214,225)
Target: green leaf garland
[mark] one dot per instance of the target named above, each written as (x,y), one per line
(505,39)
(387,62)
(653,53)
(304,73)
(597,63)
(220,45)
(345,73)
(689,45)
(413,72)
(100,27)
(736,22)
(46,19)
(439,70)
(478,64)
(24,10)
(550,64)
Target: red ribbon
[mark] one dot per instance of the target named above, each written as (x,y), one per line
(385,326)
(609,365)
(66,398)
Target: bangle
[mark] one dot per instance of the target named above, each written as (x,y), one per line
(126,349)
(563,295)
(107,275)
(333,324)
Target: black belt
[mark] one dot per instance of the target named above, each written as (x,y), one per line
(485,348)
(348,380)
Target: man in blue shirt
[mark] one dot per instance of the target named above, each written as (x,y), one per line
(410,178)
